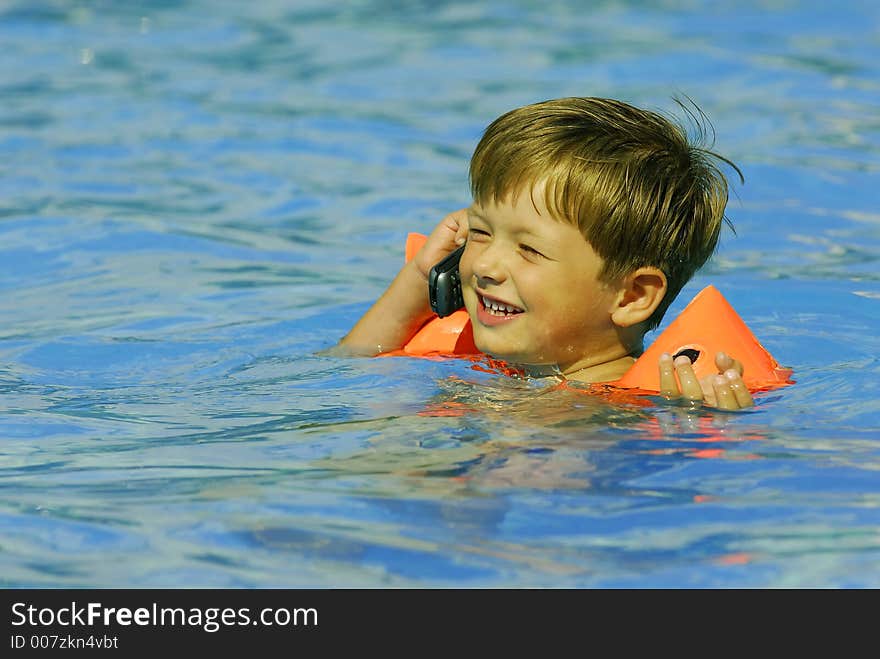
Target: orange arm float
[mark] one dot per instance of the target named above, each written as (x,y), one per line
(708,325)
(451,335)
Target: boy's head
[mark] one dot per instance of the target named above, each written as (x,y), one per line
(631,182)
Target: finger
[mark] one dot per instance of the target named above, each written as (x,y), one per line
(452,220)
(462,231)
(737,366)
(455,217)
(668,383)
(690,386)
(724,362)
(739,389)
(708,390)
(724,397)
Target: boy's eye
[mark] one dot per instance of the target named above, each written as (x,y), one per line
(530,250)
(477,232)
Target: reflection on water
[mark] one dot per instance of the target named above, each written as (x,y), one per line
(507,433)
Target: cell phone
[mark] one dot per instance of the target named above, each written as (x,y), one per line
(444,285)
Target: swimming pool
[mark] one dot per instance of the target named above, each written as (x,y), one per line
(197,197)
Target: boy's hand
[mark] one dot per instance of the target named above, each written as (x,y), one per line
(726,391)
(446,237)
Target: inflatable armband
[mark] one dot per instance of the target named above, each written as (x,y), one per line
(706,326)
(451,335)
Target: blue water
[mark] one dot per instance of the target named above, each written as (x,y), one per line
(197,197)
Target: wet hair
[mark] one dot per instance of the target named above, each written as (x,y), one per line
(632,181)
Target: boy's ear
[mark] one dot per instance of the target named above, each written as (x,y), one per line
(641,293)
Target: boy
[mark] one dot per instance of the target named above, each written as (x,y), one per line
(589,216)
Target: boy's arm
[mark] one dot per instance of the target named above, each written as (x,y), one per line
(404,307)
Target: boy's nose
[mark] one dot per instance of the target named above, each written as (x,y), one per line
(488,267)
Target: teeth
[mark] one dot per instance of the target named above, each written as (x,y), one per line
(499,307)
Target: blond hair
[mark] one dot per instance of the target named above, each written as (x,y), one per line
(631,181)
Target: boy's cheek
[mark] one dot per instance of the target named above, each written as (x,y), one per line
(465,268)
(469,296)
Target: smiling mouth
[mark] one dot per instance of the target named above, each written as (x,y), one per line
(496,308)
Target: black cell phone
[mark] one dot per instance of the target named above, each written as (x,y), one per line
(444,285)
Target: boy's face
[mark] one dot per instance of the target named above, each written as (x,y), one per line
(530,285)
